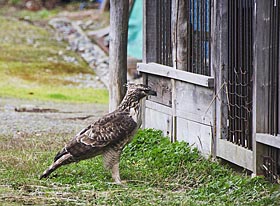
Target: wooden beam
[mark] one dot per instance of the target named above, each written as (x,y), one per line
(268,139)
(235,154)
(167,71)
(181,114)
(118,51)
(158,107)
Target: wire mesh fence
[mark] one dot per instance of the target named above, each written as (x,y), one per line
(240,71)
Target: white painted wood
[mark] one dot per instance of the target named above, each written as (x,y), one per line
(158,107)
(197,135)
(235,154)
(158,120)
(166,71)
(268,139)
(195,103)
(181,114)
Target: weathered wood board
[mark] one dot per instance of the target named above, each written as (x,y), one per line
(196,134)
(157,120)
(195,103)
(235,154)
(162,86)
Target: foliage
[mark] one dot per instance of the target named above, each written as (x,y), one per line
(157,172)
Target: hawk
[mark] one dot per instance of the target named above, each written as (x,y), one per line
(107,136)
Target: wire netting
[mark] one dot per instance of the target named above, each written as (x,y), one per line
(240,72)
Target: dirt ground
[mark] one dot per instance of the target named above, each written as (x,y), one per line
(38,117)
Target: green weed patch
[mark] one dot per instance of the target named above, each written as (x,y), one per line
(156,171)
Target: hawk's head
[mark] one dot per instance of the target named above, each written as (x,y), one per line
(139,91)
(135,92)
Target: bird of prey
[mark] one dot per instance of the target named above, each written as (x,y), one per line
(107,136)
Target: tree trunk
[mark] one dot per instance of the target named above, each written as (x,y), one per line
(179,27)
(118,51)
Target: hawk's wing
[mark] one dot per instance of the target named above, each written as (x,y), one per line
(111,128)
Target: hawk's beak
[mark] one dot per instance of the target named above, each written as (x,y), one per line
(153,93)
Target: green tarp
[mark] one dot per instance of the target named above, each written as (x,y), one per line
(135,28)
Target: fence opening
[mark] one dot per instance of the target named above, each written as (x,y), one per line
(240,71)
(164,55)
(198,37)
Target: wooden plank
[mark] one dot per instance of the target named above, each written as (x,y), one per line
(158,107)
(268,139)
(261,63)
(158,120)
(196,134)
(235,154)
(195,103)
(166,71)
(261,29)
(219,60)
(162,86)
(181,114)
(118,51)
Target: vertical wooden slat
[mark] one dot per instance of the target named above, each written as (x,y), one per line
(179,28)
(260,85)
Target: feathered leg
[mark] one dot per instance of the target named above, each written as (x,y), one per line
(111,159)
(62,160)
(116,174)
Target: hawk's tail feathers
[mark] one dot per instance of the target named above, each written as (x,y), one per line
(63,159)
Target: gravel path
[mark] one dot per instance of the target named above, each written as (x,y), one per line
(62,117)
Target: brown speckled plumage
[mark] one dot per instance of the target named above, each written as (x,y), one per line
(107,136)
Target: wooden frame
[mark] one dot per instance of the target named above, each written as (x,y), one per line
(268,139)
(166,71)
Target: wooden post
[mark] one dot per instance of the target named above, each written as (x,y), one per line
(261,81)
(219,68)
(118,51)
(179,28)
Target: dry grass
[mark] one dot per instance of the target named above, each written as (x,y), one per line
(32,66)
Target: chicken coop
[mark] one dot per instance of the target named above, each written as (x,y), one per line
(215,67)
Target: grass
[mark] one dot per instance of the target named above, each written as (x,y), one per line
(32,66)
(158,173)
